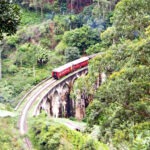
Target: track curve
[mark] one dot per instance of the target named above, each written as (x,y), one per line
(33,97)
(26,103)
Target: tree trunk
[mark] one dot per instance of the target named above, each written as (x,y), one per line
(1,49)
(0,64)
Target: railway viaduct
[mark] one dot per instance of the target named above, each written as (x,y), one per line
(53,97)
(57,101)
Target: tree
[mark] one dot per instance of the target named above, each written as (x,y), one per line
(42,56)
(131,17)
(72,53)
(9,18)
(81,38)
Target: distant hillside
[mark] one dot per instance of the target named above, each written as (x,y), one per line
(67,5)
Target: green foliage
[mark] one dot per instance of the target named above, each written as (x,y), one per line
(25,52)
(19,82)
(109,37)
(53,7)
(93,113)
(37,55)
(13,40)
(81,38)
(40,34)
(131,17)
(135,138)
(29,17)
(52,135)
(72,53)
(9,18)
(89,145)
(121,104)
(45,42)
(126,98)
(60,48)
(99,47)
(9,137)
(44,6)
(42,56)
(12,69)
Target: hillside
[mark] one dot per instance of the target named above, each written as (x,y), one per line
(116,89)
(120,106)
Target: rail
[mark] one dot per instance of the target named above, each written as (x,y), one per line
(29,92)
(32,97)
(55,84)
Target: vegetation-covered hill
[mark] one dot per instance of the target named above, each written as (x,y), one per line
(121,105)
(44,39)
(47,134)
(50,35)
(29,55)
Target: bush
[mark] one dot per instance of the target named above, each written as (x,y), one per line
(12,40)
(72,53)
(12,69)
(52,135)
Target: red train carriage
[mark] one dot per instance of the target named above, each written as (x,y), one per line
(69,67)
(82,62)
(62,71)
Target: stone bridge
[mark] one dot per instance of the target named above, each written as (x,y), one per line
(57,102)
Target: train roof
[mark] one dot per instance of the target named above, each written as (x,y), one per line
(79,60)
(61,68)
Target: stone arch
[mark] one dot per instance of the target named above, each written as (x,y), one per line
(49,96)
(86,72)
(74,79)
(65,88)
(49,104)
(54,98)
(40,109)
(55,104)
(42,105)
(65,94)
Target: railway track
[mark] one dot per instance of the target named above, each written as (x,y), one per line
(26,103)
(30,91)
(31,99)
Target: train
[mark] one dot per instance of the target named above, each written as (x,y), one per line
(62,71)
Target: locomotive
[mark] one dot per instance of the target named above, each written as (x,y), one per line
(70,67)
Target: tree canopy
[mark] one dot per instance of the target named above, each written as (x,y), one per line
(131,17)
(81,38)
(120,105)
(9,18)
(72,53)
